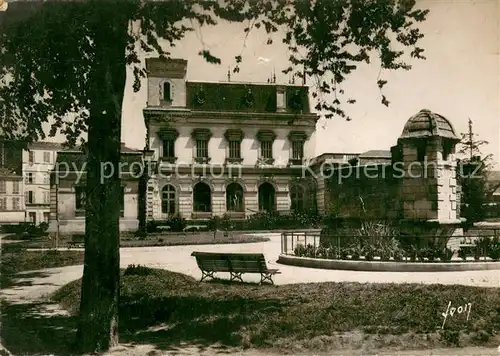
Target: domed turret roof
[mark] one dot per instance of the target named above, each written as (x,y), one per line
(427,124)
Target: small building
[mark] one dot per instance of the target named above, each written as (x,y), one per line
(12,208)
(68,191)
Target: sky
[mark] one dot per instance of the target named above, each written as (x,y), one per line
(460,78)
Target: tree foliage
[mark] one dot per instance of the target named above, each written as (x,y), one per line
(45,65)
(473,176)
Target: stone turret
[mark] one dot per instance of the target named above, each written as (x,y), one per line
(428,158)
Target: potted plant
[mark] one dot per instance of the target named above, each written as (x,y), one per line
(355,253)
(421,254)
(344,252)
(446,254)
(462,253)
(398,255)
(369,253)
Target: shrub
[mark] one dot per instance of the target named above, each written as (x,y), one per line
(299,250)
(137,270)
(177,223)
(151,226)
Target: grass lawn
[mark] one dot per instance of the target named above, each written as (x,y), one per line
(196,238)
(167,309)
(158,239)
(13,262)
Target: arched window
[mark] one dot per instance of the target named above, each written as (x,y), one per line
(267,197)
(167,91)
(202,198)
(168,200)
(234,198)
(297,197)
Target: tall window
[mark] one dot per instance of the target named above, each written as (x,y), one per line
(46,197)
(15,187)
(297,150)
(29,178)
(3,204)
(30,197)
(202,198)
(168,200)
(234,197)
(267,197)
(234,149)
(167,91)
(46,157)
(80,198)
(3,187)
(168,148)
(16,204)
(202,148)
(234,138)
(201,138)
(266,149)
(31,157)
(297,197)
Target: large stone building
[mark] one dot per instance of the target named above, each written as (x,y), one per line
(235,148)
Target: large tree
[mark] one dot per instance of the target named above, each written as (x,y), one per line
(64,62)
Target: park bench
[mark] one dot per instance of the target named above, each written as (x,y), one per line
(234,263)
(76,241)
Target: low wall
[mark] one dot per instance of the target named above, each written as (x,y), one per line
(379,266)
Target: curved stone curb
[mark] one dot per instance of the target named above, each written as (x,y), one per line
(379,266)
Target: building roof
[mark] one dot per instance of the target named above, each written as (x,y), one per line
(45,145)
(427,124)
(6,173)
(124,149)
(245,97)
(376,154)
(76,161)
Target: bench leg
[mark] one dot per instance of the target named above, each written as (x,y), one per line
(235,276)
(206,274)
(266,277)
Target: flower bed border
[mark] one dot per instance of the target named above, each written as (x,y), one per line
(388,266)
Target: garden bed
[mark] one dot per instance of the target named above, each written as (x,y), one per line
(299,318)
(377,265)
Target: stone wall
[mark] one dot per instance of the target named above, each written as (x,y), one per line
(364,191)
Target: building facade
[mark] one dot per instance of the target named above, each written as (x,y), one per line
(38,161)
(12,207)
(226,148)
(68,191)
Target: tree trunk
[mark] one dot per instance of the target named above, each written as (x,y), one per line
(98,324)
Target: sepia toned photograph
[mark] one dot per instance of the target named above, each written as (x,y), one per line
(250,177)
